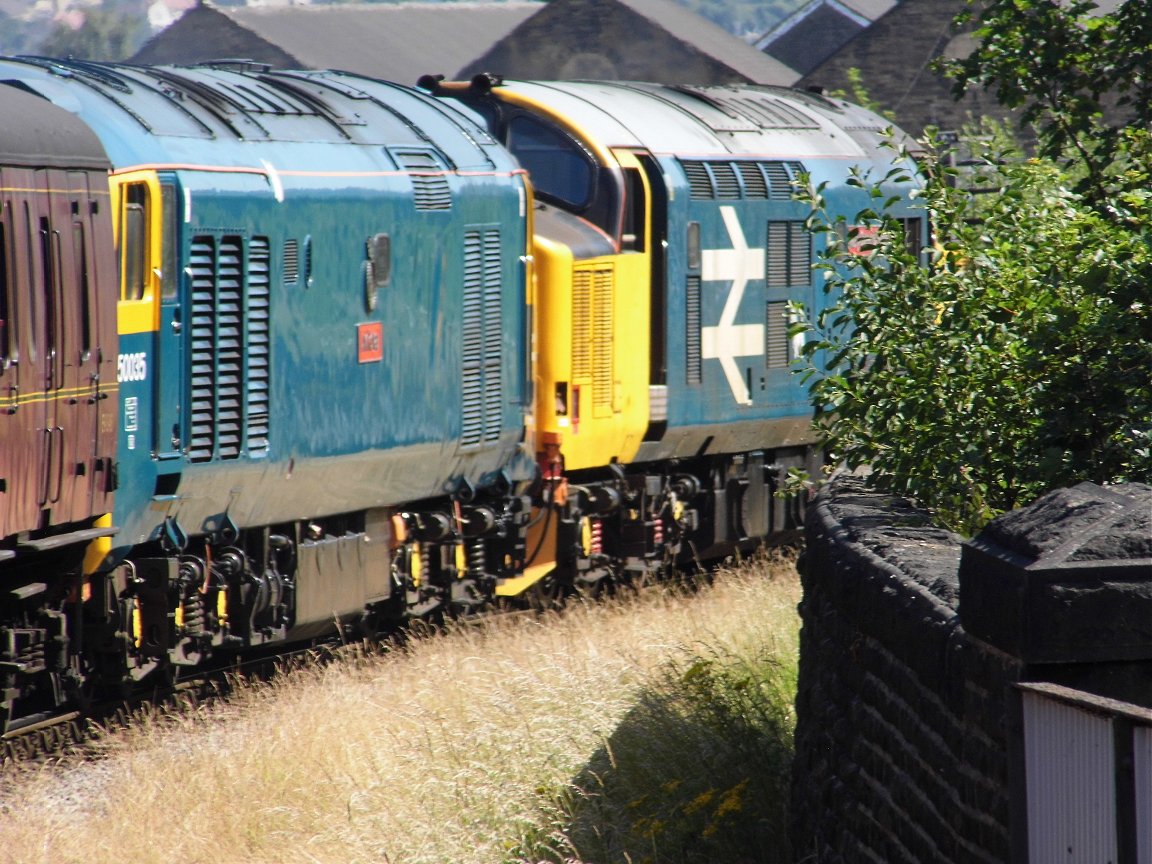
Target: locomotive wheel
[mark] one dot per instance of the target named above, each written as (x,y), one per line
(545,594)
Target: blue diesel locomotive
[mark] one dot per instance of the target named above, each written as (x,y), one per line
(382,353)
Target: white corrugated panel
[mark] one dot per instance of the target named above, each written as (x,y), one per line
(1142,746)
(1070,768)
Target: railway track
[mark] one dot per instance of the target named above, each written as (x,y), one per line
(44,738)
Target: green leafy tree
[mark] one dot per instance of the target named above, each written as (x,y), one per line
(1081,79)
(1015,356)
(1012,358)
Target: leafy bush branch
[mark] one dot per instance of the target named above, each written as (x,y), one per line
(1012,357)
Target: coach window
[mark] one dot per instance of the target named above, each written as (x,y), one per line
(80,245)
(134,241)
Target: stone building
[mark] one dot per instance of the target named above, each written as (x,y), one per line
(894,56)
(818,29)
(397,42)
(638,40)
(652,40)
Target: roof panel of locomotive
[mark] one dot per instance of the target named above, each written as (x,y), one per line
(46,136)
(711,121)
(157,115)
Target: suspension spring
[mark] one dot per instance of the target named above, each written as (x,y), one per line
(424,554)
(476,558)
(596,543)
(193,614)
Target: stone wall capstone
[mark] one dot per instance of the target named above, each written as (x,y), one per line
(905,718)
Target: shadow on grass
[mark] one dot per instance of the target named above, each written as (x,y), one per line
(698,771)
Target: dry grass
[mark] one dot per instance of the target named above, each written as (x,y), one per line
(653,729)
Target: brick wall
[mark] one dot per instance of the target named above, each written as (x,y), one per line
(907,724)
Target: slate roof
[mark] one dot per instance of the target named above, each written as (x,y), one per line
(818,29)
(397,42)
(714,41)
(639,40)
(894,56)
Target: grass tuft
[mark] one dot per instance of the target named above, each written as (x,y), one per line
(654,728)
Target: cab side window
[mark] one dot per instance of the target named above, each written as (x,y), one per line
(559,167)
(134,241)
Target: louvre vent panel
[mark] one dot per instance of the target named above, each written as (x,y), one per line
(582,325)
(593,323)
(259,344)
(202,349)
(603,370)
(291,261)
(699,181)
(228,349)
(755,183)
(780,181)
(789,254)
(493,334)
(481,380)
(729,180)
(800,257)
(776,351)
(912,235)
(724,175)
(431,190)
(693,368)
(771,114)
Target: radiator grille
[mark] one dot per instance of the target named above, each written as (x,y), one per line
(592,337)
(481,383)
(603,369)
(258,319)
(228,348)
(742,179)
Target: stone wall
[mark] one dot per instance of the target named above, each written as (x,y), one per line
(907,720)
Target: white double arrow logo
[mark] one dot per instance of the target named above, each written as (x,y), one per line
(729,340)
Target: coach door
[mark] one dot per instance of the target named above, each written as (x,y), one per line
(48,321)
(53,321)
(89,285)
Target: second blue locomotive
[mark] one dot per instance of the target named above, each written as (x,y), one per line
(383,354)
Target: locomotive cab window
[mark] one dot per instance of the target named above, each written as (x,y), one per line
(134,242)
(561,169)
(566,174)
